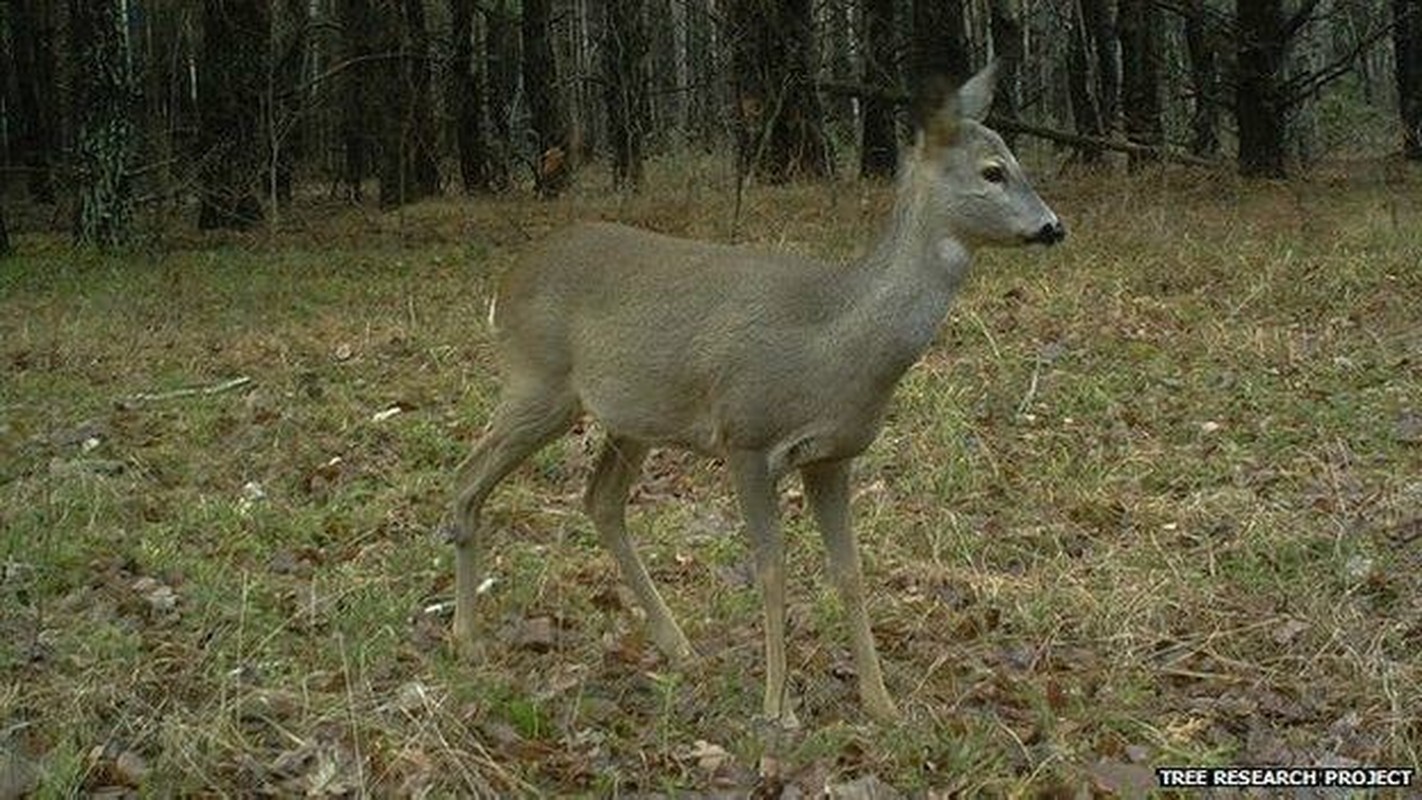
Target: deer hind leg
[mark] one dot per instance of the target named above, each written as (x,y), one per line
(521,425)
(755,488)
(827,489)
(606,503)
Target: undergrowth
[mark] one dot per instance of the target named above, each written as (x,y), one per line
(1154,497)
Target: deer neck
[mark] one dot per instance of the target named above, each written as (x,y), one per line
(910,276)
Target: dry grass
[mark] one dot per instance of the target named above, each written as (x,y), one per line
(1154,498)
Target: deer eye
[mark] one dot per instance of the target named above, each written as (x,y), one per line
(994,173)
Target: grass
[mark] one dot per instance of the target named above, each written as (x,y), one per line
(1155,497)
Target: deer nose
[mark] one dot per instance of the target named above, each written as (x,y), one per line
(1049,234)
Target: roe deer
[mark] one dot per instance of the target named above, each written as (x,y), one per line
(771,361)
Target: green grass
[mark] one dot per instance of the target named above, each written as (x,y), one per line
(1153,498)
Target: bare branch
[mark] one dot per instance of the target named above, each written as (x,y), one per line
(1004,124)
(1299,19)
(1298,89)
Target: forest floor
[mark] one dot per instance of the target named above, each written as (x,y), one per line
(1154,497)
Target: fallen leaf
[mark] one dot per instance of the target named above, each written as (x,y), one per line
(252,494)
(537,634)
(1138,753)
(161,599)
(412,696)
(1057,698)
(1289,630)
(710,758)
(866,787)
(324,767)
(1122,779)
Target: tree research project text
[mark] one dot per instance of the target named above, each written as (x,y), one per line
(1353,777)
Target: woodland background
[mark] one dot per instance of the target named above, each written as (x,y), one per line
(228,112)
(1153,497)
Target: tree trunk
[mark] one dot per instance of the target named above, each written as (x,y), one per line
(502,62)
(1141,33)
(286,139)
(1202,40)
(1407,39)
(466,100)
(835,27)
(1101,32)
(540,83)
(1307,53)
(6,59)
(939,54)
(104,97)
(1259,106)
(407,142)
(625,88)
(232,82)
(1007,45)
(359,115)
(879,151)
(1085,108)
(37,141)
(660,44)
(706,113)
(780,134)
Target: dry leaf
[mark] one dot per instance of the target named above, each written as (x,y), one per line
(1289,630)
(162,600)
(537,634)
(1122,779)
(867,787)
(710,758)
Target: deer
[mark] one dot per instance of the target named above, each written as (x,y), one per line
(769,361)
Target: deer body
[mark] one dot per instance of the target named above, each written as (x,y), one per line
(727,349)
(771,361)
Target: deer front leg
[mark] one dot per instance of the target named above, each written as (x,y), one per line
(827,489)
(755,488)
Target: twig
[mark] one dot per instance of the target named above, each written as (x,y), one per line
(1032,388)
(193,391)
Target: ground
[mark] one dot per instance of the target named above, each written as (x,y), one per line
(1154,497)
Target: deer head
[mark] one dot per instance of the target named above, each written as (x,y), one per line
(976,190)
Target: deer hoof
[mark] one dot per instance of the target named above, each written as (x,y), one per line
(674,646)
(882,710)
(467,646)
(787,722)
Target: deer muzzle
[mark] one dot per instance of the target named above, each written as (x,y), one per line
(1048,234)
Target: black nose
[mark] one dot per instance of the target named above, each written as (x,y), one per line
(1049,234)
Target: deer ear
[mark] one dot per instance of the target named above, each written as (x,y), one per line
(969,101)
(975,97)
